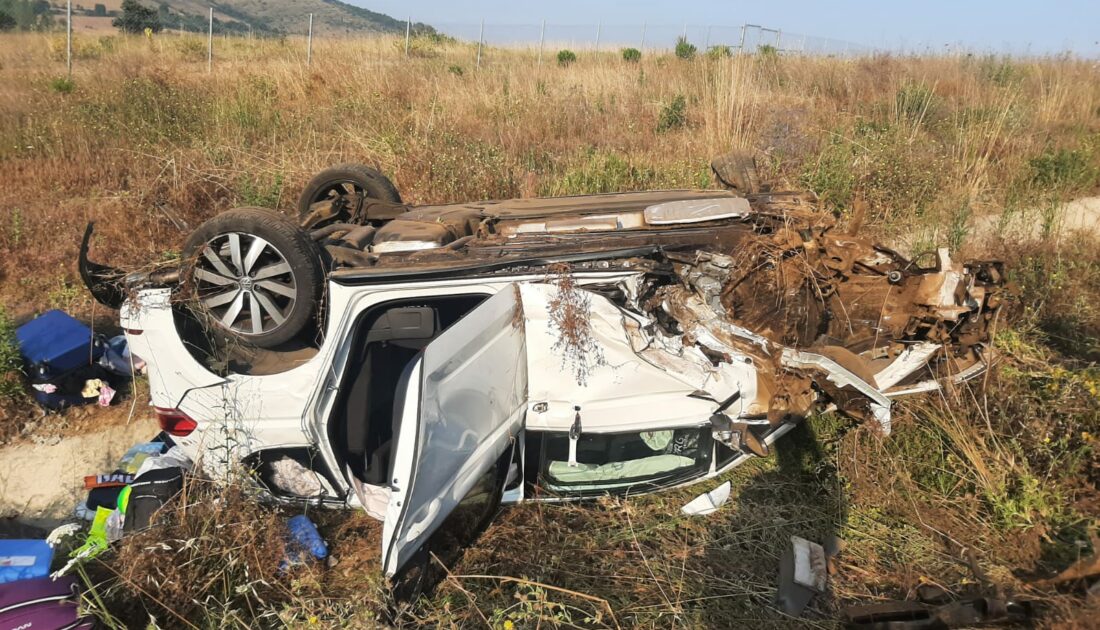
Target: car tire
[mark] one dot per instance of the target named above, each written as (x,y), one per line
(345,179)
(737,172)
(253,276)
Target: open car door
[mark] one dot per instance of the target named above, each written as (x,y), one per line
(462,403)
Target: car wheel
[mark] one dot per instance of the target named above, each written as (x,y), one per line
(344,187)
(253,275)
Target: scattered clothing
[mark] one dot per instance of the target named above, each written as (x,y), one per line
(92,387)
(111,480)
(136,456)
(118,360)
(106,395)
(304,542)
(173,458)
(291,477)
(103,497)
(150,492)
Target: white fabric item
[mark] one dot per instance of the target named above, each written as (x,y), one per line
(290,476)
(375,500)
(174,458)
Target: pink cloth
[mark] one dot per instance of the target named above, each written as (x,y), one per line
(106,394)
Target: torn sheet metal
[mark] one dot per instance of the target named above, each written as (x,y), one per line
(843,379)
(803,573)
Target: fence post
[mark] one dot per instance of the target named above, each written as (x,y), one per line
(599,27)
(408,32)
(69,38)
(641,47)
(480,39)
(706,42)
(778,35)
(210,43)
(309,42)
(741,44)
(542,38)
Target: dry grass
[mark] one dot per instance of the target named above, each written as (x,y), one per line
(1001,479)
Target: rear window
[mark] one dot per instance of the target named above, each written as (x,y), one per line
(622,461)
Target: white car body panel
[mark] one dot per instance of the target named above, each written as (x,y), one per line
(622,391)
(472,386)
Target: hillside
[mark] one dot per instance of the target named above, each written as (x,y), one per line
(330,17)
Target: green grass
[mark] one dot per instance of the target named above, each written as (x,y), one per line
(11,363)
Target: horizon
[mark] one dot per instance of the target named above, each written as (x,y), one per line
(845,26)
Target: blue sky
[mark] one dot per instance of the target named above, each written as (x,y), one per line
(980,25)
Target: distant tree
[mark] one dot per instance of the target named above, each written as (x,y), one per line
(28,15)
(632,55)
(684,48)
(7,22)
(136,17)
(719,51)
(100,10)
(566,57)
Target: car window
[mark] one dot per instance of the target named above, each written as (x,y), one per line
(619,461)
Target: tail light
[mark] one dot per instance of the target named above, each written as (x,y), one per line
(174,422)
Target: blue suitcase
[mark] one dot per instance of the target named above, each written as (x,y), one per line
(55,343)
(60,351)
(24,559)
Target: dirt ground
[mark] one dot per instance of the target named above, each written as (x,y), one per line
(1079,216)
(41,478)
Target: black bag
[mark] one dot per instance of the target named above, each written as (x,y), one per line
(68,387)
(149,493)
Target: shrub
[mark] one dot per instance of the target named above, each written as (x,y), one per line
(11,363)
(767,51)
(914,102)
(455,69)
(62,85)
(632,55)
(720,51)
(601,172)
(673,114)
(136,18)
(1061,169)
(684,48)
(566,57)
(195,563)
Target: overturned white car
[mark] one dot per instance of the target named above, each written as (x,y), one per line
(429,363)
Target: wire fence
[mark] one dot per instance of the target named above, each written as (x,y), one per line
(599,37)
(648,37)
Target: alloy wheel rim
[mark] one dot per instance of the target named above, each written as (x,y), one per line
(245,283)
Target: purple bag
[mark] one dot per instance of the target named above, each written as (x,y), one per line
(41,603)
